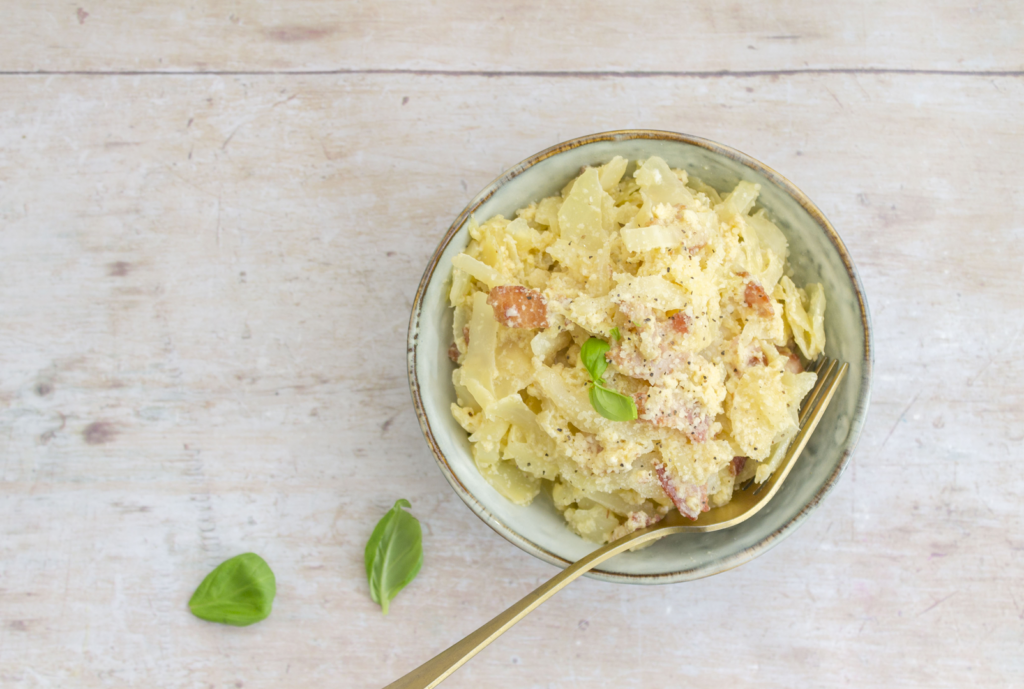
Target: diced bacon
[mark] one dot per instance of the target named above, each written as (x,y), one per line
(519,307)
(641,520)
(758,359)
(453,350)
(645,325)
(688,498)
(640,399)
(680,323)
(634,522)
(737,464)
(757,299)
(634,365)
(674,411)
(793,363)
(644,319)
(698,425)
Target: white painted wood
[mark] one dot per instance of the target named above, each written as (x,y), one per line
(203,306)
(528,35)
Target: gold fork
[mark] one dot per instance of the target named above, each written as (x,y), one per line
(744,504)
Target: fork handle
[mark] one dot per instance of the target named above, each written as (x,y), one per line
(438,668)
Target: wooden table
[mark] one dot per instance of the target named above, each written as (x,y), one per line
(214,216)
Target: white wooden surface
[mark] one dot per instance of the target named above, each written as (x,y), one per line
(205,287)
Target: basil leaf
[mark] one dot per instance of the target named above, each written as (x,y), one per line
(612,405)
(616,335)
(394,554)
(592,356)
(239,592)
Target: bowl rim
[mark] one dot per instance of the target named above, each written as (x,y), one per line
(718,566)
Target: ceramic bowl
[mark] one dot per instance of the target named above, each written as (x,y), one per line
(817,254)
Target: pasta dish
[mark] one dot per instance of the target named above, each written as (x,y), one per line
(634,345)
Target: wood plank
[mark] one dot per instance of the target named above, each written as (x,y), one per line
(202,353)
(533,35)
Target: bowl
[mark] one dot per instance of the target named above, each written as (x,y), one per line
(817,254)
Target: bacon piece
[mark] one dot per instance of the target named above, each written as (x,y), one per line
(757,360)
(644,323)
(640,398)
(641,520)
(793,363)
(634,522)
(737,464)
(644,319)
(674,411)
(635,365)
(680,323)
(519,307)
(698,426)
(757,299)
(689,499)
(453,350)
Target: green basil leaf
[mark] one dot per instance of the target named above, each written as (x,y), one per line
(239,592)
(612,405)
(592,356)
(394,554)
(616,334)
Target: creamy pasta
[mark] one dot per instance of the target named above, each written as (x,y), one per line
(706,332)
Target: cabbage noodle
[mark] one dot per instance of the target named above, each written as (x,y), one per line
(689,286)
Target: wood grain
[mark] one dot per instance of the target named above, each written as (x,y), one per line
(528,35)
(204,301)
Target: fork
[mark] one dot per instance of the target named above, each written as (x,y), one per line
(744,504)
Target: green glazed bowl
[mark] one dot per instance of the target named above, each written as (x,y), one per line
(817,254)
